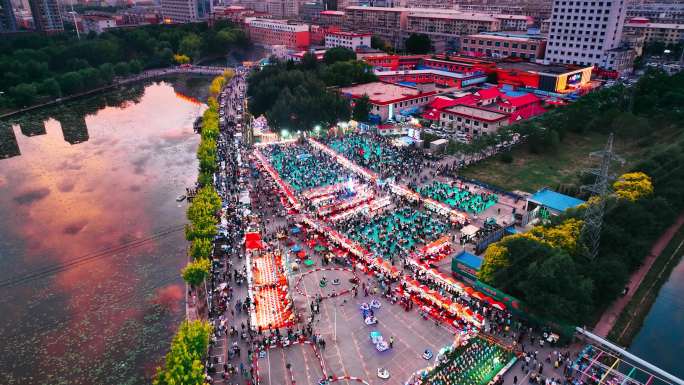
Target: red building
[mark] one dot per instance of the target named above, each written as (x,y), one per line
(395,62)
(278,32)
(317,33)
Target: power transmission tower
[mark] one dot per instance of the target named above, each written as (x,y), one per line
(593,216)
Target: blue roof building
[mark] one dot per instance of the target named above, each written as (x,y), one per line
(555,202)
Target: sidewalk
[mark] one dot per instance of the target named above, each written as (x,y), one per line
(610,316)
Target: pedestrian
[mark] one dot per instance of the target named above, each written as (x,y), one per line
(391,342)
(515,380)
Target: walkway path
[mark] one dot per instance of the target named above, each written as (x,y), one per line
(611,315)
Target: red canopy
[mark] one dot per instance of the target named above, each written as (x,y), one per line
(499,305)
(253,241)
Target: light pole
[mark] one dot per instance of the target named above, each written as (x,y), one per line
(73,15)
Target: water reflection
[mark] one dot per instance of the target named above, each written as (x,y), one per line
(92,235)
(8,141)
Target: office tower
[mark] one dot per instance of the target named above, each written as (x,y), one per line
(586,32)
(47,17)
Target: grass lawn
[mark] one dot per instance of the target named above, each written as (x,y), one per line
(530,172)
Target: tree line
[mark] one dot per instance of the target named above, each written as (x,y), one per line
(184,361)
(38,67)
(548,268)
(297,96)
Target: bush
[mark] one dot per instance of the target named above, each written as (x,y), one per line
(506,157)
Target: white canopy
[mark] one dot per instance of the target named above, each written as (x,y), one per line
(469,230)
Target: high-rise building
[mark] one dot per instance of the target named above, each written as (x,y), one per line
(586,32)
(185,11)
(283,9)
(8,23)
(47,17)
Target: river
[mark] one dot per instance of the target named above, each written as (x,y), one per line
(661,338)
(92,235)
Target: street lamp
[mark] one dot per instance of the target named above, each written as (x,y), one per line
(284,133)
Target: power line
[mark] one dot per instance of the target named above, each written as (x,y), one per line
(88,257)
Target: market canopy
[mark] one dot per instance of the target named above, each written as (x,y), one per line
(469,230)
(253,241)
(554,201)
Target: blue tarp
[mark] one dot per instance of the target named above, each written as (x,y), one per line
(470,260)
(554,201)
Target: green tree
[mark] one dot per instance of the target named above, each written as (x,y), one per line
(309,62)
(338,54)
(361,110)
(23,94)
(122,69)
(196,271)
(49,87)
(107,72)
(190,46)
(378,43)
(183,363)
(135,67)
(70,83)
(418,44)
(201,248)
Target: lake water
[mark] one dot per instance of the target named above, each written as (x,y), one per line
(661,339)
(92,235)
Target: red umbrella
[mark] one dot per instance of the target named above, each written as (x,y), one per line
(478,295)
(301,254)
(499,305)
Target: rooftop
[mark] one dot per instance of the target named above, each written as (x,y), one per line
(349,34)
(332,13)
(477,113)
(469,259)
(457,75)
(555,201)
(656,25)
(555,69)
(383,93)
(452,15)
(522,36)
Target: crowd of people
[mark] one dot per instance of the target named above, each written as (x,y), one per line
(394,232)
(305,167)
(475,362)
(462,198)
(376,153)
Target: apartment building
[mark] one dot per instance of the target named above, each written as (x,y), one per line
(655,32)
(283,9)
(278,33)
(47,17)
(444,26)
(667,13)
(8,22)
(185,11)
(473,120)
(387,23)
(327,18)
(583,32)
(350,40)
(504,44)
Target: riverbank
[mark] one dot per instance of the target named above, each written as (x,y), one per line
(630,320)
(195,70)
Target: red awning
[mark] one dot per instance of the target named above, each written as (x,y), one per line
(253,241)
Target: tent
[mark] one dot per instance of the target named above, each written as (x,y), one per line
(253,241)
(469,231)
